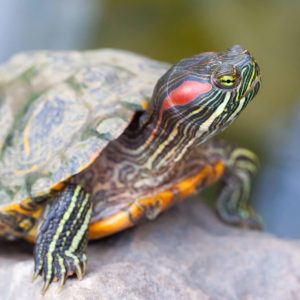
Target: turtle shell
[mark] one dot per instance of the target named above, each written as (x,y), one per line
(58,110)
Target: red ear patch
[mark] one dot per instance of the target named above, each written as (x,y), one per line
(185,93)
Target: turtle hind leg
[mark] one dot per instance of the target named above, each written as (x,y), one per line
(233,204)
(60,249)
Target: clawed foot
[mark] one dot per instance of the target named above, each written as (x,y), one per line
(249,219)
(58,266)
(244,218)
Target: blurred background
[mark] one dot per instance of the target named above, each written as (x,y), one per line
(172,29)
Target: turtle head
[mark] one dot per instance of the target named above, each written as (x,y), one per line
(205,93)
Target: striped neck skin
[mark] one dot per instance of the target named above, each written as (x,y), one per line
(196,99)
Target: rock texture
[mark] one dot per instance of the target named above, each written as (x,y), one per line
(187,253)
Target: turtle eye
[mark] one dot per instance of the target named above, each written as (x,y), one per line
(226,77)
(227,81)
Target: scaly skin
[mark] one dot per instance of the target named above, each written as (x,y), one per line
(144,194)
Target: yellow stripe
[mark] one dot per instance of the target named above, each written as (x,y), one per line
(238,109)
(77,238)
(243,152)
(252,76)
(205,126)
(62,266)
(80,232)
(60,228)
(190,142)
(241,87)
(26,139)
(204,106)
(161,147)
(249,166)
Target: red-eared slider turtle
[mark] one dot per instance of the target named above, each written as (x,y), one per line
(85,151)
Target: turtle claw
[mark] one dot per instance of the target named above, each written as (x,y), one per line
(34,276)
(45,287)
(63,266)
(254,222)
(62,281)
(79,273)
(76,265)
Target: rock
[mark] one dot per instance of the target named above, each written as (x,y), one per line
(187,253)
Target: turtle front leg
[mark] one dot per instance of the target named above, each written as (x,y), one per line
(60,249)
(233,204)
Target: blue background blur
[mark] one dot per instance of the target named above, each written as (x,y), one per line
(172,29)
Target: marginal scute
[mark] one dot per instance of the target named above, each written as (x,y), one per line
(41,186)
(79,156)
(116,125)
(59,110)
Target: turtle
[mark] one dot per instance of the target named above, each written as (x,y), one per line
(95,142)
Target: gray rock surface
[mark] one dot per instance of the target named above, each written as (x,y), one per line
(187,253)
